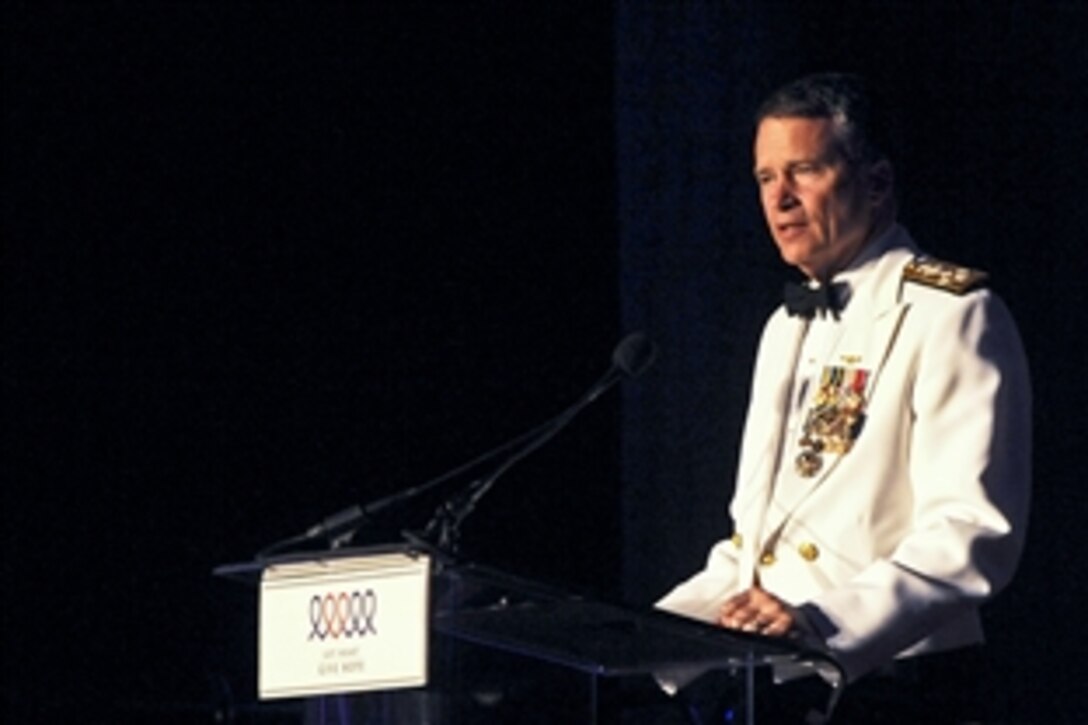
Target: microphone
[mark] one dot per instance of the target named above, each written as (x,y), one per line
(337,529)
(635,354)
(630,358)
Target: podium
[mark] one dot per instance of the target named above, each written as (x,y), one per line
(504,649)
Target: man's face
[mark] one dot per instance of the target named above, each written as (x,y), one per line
(818,206)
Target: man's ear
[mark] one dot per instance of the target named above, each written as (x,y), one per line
(881,182)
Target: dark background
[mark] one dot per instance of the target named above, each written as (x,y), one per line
(265,260)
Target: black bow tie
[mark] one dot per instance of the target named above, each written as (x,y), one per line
(805,301)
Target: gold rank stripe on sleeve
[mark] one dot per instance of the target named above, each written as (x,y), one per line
(944,275)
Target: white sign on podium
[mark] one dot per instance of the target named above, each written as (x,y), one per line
(347,624)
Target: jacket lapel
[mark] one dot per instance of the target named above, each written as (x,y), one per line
(866,344)
(763,433)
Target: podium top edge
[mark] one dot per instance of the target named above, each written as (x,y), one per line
(250,572)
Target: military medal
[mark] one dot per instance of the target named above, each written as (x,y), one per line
(809,461)
(835,418)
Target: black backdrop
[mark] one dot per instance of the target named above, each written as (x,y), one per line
(267,260)
(262,261)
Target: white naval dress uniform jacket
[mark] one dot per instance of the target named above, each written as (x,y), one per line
(891,547)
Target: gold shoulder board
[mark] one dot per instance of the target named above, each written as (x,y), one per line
(943,275)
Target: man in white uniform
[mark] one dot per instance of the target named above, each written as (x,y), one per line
(883,485)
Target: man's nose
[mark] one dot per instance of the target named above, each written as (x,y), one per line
(784,196)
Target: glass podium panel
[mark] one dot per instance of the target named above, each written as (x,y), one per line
(505,649)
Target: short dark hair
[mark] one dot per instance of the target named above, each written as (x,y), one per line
(862,119)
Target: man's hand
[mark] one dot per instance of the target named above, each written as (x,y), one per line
(757,610)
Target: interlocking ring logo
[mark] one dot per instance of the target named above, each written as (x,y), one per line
(343,614)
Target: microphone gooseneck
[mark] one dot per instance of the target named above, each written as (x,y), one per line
(630,358)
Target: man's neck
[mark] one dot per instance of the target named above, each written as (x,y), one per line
(878,229)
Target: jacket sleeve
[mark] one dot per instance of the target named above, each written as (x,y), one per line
(726,573)
(701,596)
